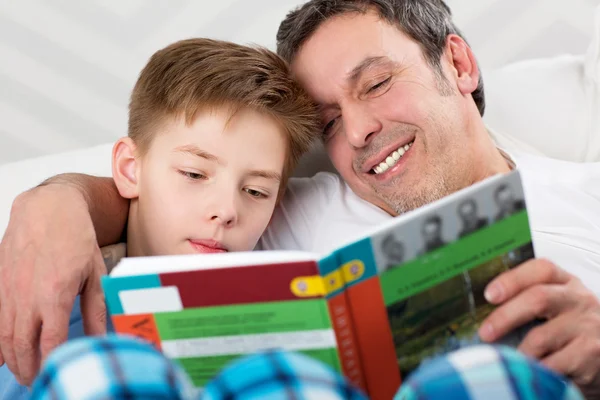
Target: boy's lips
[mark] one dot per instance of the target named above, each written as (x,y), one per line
(207,246)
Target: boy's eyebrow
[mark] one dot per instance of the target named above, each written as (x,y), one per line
(198,152)
(266,174)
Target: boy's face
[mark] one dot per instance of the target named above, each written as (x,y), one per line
(207,187)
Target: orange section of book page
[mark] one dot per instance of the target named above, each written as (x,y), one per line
(141,325)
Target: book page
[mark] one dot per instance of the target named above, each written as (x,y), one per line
(135,266)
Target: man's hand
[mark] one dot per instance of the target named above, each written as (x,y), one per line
(49,254)
(569,341)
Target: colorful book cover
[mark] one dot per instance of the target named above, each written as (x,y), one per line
(204,318)
(421,295)
(375,310)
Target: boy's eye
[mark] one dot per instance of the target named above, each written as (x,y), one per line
(255,193)
(192,175)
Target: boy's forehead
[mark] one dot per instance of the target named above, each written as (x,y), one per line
(212,128)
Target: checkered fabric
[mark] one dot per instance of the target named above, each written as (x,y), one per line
(125,368)
(112,367)
(120,367)
(488,373)
(277,375)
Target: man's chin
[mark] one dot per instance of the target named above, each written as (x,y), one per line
(401,203)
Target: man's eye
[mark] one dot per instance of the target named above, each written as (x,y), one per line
(379,85)
(255,193)
(329,126)
(192,175)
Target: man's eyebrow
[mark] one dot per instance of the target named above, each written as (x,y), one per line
(364,65)
(266,174)
(198,152)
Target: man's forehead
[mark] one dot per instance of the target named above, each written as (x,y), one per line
(338,48)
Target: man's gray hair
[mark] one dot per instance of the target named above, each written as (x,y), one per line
(428,22)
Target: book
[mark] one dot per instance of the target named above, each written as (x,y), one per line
(374,309)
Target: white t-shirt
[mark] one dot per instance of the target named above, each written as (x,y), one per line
(563,200)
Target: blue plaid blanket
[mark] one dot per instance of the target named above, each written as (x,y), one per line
(118,367)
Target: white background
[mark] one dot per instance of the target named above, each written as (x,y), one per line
(67,66)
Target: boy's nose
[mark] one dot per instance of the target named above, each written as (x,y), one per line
(226,216)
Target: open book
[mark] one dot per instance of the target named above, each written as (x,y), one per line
(374,310)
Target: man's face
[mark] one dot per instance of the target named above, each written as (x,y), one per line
(432,230)
(209,185)
(505,199)
(394,251)
(468,211)
(394,129)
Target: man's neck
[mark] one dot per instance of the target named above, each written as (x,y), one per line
(491,161)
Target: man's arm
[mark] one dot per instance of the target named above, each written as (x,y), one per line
(50,254)
(107,208)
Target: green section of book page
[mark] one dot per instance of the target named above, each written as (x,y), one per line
(244,319)
(451,260)
(202,369)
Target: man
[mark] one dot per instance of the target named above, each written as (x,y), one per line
(467,211)
(506,202)
(401,99)
(393,251)
(432,234)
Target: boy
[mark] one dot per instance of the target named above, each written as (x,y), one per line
(215,129)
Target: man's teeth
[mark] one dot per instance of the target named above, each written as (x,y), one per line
(392,159)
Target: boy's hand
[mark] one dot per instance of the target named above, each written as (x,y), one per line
(569,341)
(48,256)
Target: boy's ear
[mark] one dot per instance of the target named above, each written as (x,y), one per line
(465,68)
(125,168)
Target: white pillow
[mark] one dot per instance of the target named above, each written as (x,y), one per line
(19,176)
(552,105)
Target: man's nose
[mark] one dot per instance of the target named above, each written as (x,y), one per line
(360,125)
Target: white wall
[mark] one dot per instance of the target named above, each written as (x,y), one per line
(67,66)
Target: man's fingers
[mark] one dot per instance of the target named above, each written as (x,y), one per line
(526,275)
(1,358)
(541,301)
(27,352)
(550,337)
(55,327)
(3,282)
(93,307)
(7,325)
(579,360)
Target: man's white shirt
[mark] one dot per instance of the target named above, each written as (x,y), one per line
(321,213)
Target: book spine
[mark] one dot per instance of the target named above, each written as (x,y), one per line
(343,326)
(341,320)
(371,327)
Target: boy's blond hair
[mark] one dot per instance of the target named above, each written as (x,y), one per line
(195,74)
